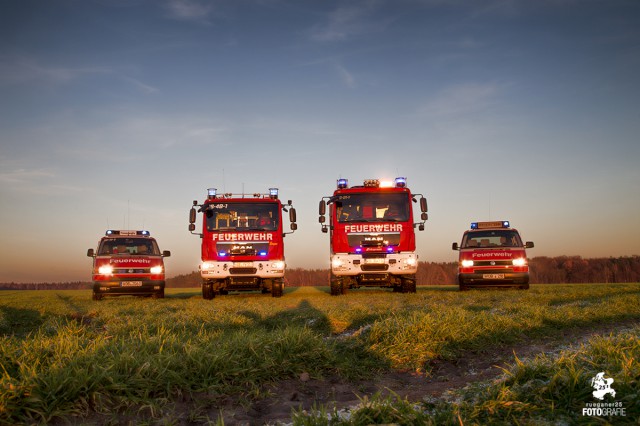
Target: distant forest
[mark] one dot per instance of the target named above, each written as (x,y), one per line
(544,270)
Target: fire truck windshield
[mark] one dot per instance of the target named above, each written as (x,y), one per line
(128,246)
(227,216)
(370,207)
(492,238)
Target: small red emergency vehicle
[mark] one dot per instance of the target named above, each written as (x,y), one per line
(128,263)
(372,236)
(242,242)
(492,255)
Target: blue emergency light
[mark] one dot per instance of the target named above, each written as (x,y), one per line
(222,253)
(401,182)
(263,253)
(389,249)
(211,193)
(486,225)
(343,183)
(273,192)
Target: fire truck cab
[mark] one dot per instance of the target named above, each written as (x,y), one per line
(492,255)
(372,236)
(242,242)
(128,263)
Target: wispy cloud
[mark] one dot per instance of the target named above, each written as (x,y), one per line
(349,20)
(462,99)
(346,77)
(189,10)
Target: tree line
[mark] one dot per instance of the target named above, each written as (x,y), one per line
(543,270)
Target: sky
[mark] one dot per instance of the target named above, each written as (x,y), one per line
(119,113)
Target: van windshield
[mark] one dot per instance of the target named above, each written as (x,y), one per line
(492,238)
(128,246)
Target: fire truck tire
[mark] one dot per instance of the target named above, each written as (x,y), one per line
(409,284)
(159,295)
(277,289)
(207,291)
(96,296)
(524,287)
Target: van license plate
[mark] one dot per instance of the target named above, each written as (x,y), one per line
(131,283)
(493,276)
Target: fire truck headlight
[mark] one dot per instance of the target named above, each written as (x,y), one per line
(156,269)
(336,262)
(207,266)
(467,263)
(411,261)
(105,270)
(278,265)
(521,261)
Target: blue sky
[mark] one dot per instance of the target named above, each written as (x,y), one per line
(119,113)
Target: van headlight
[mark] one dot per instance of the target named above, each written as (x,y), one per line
(467,263)
(521,261)
(105,270)
(156,269)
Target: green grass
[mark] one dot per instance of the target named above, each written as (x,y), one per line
(64,355)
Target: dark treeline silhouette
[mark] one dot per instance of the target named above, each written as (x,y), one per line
(544,270)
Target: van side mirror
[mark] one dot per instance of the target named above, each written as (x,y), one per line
(166,253)
(90,253)
(454,246)
(529,244)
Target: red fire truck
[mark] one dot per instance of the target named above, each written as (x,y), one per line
(242,242)
(492,255)
(372,237)
(128,263)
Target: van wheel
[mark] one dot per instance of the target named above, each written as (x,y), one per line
(96,296)
(159,295)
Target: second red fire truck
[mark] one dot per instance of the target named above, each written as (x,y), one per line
(372,236)
(492,255)
(242,242)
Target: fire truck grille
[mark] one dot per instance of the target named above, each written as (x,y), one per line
(242,271)
(130,271)
(492,263)
(374,277)
(375,267)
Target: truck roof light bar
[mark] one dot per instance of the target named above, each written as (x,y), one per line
(127,233)
(494,224)
(211,193)
(343,183)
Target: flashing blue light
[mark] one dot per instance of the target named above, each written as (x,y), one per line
(389,249)
(505,223)
(109,232)
(358,249)
(144,233)
(273,192)
(211,192)
(474,225)
(401,182)
(222,253)
(263,253)
(343,183)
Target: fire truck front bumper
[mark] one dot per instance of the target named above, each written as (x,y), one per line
(230,269)
(356,264)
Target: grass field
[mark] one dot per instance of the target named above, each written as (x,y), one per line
(65,358)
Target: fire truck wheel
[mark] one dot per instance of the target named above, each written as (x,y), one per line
(336,286)
(159,295)
(277,289)
(524,287)
(344,287)
(408,285)
(463,287)
(207,291)
(96,296)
